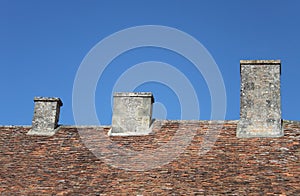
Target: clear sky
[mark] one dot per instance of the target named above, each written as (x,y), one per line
(43,43)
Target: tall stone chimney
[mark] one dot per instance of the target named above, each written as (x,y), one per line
(260,104)
(46,116)
(132,113)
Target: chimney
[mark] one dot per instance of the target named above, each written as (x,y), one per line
(260,104)
(132,113)
(46,116)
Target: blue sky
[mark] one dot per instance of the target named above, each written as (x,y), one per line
(42,44)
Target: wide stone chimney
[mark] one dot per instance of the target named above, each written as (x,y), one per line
(260,104)
(46,116)
(132,113)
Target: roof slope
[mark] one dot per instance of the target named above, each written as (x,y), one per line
(62,164)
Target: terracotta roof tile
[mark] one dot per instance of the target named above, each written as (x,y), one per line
(63,164)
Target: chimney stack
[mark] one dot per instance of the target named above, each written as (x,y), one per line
(260,104)
(132,113)
(46,116)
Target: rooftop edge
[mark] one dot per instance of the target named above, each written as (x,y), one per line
(251,62)
(48,99)
(133,94)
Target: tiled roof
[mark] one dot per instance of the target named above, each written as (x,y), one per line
(63,164)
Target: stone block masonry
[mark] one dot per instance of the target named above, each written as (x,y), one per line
(132,113)
(260,102)
(46,116)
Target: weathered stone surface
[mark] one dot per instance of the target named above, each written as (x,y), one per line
(46,116)
(260,106)
(259,62)
(132,113)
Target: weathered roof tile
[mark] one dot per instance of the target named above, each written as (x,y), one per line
(62,164)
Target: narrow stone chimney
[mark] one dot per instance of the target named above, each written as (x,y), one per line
(46,116)
(132,113)
(260,104)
